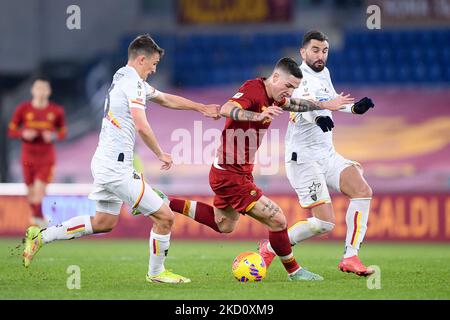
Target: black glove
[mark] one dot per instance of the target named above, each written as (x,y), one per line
(362,106)
(325,123)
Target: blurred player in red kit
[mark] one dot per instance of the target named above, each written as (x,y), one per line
(38,123)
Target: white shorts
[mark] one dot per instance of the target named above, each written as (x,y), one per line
(312,179)
(112,189)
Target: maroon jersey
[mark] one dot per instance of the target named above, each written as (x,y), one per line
(241,139)
(50,119)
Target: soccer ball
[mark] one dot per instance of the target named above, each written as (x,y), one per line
(249,266)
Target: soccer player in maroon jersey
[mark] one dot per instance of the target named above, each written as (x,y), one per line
(249,114)
(38,123)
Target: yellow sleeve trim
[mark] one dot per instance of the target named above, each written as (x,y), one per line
(236,103)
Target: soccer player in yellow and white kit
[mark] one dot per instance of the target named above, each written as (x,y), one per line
(313,165)
(115,180)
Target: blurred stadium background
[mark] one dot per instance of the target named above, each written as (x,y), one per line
(212,46)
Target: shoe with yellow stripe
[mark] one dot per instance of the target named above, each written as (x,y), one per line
(33,242)
(305,275)
(168,277)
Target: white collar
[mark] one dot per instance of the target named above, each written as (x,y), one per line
(135,72)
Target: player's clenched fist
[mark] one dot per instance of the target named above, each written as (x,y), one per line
(48,136)
(211,111)
(29,134)
(362,106)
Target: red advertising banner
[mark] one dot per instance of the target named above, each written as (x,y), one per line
(393,217)
(233,11)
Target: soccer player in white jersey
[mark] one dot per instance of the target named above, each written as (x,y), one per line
(115,180)
(313,165)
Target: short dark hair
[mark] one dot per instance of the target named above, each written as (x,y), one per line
(290,66)
(313,35)
(40,78)
(143,44)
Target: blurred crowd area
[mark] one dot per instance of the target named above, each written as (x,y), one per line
(213,46)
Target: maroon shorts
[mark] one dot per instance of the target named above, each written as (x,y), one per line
(234,190)
(35,171)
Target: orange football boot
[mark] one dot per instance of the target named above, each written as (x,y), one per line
(265,253)
(353,264)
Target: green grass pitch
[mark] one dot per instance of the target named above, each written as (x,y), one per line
(115,269)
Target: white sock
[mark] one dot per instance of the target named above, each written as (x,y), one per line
(70,229)
(356,220)
(159,247)
(306,229)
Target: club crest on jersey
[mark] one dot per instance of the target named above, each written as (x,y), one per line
(313,190)
(139,85)
(29,116)
(238,95)
(253,193)
(136,176)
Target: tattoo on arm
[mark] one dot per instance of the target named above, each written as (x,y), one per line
(302,105)
(238,114)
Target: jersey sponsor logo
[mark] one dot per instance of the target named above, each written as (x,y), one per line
(238,95)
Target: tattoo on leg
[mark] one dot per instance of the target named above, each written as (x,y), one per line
(267,205)
(274,211)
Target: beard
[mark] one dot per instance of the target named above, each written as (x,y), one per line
(316,66)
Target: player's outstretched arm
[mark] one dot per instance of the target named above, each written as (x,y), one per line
(179,103)
(302,105)
(148,136)
(230,110)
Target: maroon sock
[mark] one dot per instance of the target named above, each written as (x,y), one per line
(204,213)
(37,210)
(279,240)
